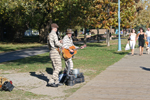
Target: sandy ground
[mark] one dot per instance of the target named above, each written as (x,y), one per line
(36,82)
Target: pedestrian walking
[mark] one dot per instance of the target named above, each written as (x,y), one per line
(132,38)
(141,39)
(148,40)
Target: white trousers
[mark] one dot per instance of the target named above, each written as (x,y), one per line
(132,44)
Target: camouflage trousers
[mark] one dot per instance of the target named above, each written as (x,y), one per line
(57,66)
(69,63)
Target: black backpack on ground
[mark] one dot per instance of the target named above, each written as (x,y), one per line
(69,79)
(7,86)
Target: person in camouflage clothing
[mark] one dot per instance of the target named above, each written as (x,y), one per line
(53,44)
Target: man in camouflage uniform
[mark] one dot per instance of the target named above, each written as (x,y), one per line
(54,55)
(68,42)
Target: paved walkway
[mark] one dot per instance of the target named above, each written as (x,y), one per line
(128,79)
(14,55)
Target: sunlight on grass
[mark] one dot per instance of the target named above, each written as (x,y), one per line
(96,56)
(5,47)
(92,60)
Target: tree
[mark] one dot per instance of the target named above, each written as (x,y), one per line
(105,14)
(143,13)
(85,15)
(24,14)
(6,9)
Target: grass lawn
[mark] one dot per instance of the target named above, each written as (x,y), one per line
(92,60)
(5,47)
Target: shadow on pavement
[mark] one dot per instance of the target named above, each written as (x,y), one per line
(40,76)
(34,59)
(7,49)
(134,53)
(96,45)
(144,68)
(15,55)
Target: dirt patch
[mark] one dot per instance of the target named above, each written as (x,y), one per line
(7,72)
(36,82)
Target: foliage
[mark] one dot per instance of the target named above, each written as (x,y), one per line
(143,13)
(24,14)
(19,15)
(105,13)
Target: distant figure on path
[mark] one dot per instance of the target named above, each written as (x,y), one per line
(132,37)
(142,38)
(148,39)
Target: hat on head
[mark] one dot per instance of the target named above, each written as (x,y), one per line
(54,25)
(69,31)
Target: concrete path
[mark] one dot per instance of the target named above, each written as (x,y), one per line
(14,55)
(128,79)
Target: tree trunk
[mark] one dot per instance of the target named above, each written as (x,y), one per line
(107,37)
(85,36)
(110,33)
(147,26)
(98,38)
(2,32)
(130,28)
(45,32)
(124,32)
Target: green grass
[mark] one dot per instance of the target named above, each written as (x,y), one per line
(28,64)
(22,95)
(95,56)
(92,60)
(5,47)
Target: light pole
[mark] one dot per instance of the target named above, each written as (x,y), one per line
(119,40)
(108,32)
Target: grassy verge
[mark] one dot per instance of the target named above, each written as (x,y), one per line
(19,95)
(92,60)
(5,47)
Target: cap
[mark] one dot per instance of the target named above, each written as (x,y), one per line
(54,25)
(69,31)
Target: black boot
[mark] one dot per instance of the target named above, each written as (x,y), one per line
(60,84)
(52,85)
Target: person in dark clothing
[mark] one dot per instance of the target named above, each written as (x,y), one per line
(141,38)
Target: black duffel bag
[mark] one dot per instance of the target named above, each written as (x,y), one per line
(7,86)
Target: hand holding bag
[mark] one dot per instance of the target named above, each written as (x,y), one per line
(129,39)
(127,47)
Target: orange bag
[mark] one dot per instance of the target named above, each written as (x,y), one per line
(146,42)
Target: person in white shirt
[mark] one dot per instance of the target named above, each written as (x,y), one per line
(148,39)
(132,37)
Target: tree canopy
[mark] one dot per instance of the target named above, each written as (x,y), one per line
(19,15)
